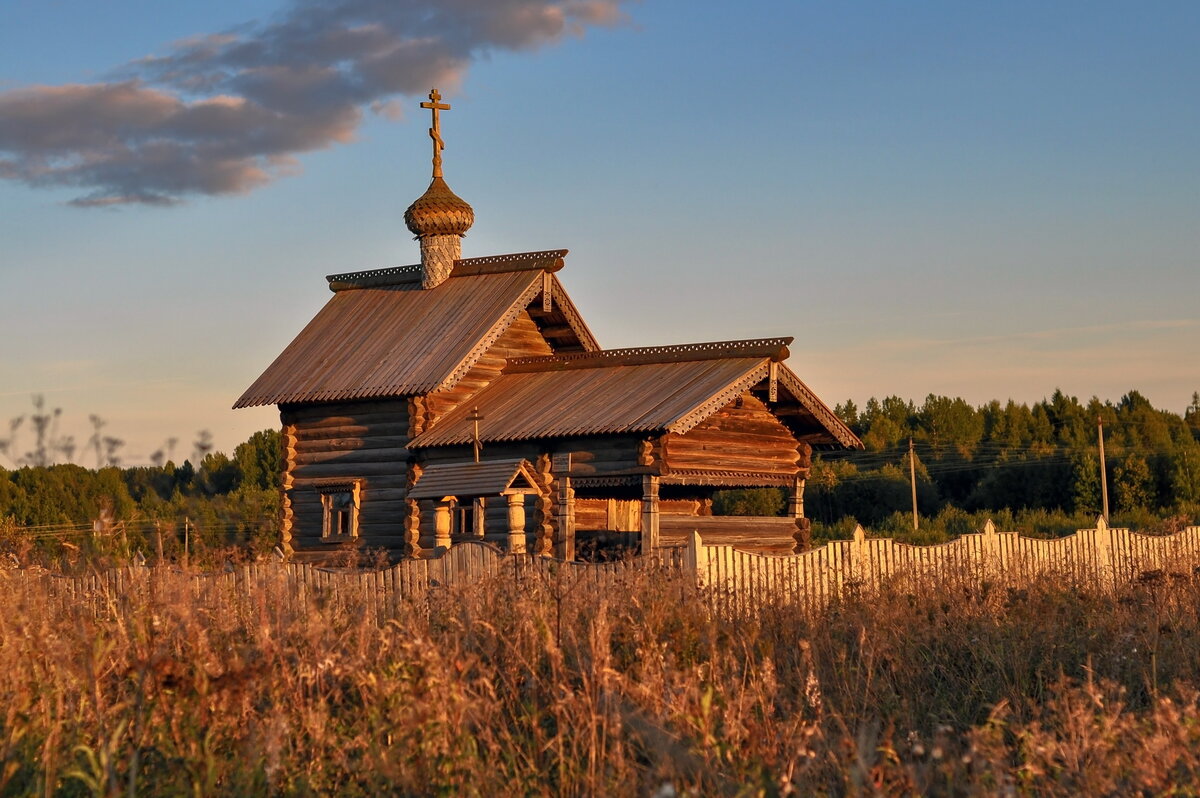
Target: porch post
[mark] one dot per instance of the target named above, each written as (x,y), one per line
(479,518)
(441,524)
(516,523)
(796,498)
(650,514)
(564,546)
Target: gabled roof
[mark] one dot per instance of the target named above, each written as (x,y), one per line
(656,389)
(468,480)
(382,335)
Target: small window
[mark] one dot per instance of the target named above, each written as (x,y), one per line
(340,506)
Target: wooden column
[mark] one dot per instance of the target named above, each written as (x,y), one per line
(564,542)
(564,516)
(650,514)
(543,539)
(441,525)
(516,523)
(796,498)
(803,534)
(479,518)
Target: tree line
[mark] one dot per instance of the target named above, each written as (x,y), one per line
(222,499)
(1035,467)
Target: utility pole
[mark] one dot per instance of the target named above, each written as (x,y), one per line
(912,472)
(1103,471)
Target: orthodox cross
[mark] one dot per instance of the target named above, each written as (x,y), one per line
(475,418)
(435,132)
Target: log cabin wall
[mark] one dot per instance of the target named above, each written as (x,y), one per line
(743,437)
(364,440)
(521,339)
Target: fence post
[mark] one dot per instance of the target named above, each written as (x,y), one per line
(695,559)
(991,549)
(858,555)
(1105,565)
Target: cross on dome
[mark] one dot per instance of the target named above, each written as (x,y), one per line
(435,104)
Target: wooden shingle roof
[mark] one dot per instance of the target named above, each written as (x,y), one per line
(382,335)
(658,389)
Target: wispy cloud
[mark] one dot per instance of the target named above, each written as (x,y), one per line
(229,112)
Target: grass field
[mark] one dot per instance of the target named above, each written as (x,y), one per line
(532,690)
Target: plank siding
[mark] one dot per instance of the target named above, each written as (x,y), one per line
(743,437)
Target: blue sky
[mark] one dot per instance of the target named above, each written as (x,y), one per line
(985,200)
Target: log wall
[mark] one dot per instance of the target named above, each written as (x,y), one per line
(364,440)
(743,437)
(765,535)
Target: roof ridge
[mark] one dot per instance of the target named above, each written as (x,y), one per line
(550,260)
(772,348)
(372,278)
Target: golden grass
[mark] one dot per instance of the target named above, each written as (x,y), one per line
(534,688)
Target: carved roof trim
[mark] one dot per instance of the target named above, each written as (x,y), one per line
(736,479)
(376,278)
(562,301)
(550,260)
(493,334)
(685,423)
(813,404)
(770,348)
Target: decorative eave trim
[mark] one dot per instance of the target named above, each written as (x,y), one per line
(550,260)
(606,482)
(696,415)
(773,349)
(522,303)
(331,484)
(736,479)
(562,300)
(375,278)
(812,403)
(484,344)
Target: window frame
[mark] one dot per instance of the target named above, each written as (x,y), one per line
(341,508)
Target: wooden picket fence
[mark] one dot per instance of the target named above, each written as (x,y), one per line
(384,592)
(1103,558)
(733,581)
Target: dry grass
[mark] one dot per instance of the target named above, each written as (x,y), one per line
(537,689)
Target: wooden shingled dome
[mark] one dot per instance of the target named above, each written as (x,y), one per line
(439,212)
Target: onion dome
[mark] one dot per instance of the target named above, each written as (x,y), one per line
(439,212)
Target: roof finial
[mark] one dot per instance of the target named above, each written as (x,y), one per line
(435,132)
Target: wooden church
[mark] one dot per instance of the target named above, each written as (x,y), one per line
(465,398)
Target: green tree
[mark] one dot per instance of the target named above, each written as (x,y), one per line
(1085,491)
(260,460)
(1133,485)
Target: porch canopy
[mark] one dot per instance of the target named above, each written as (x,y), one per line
(472,480)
